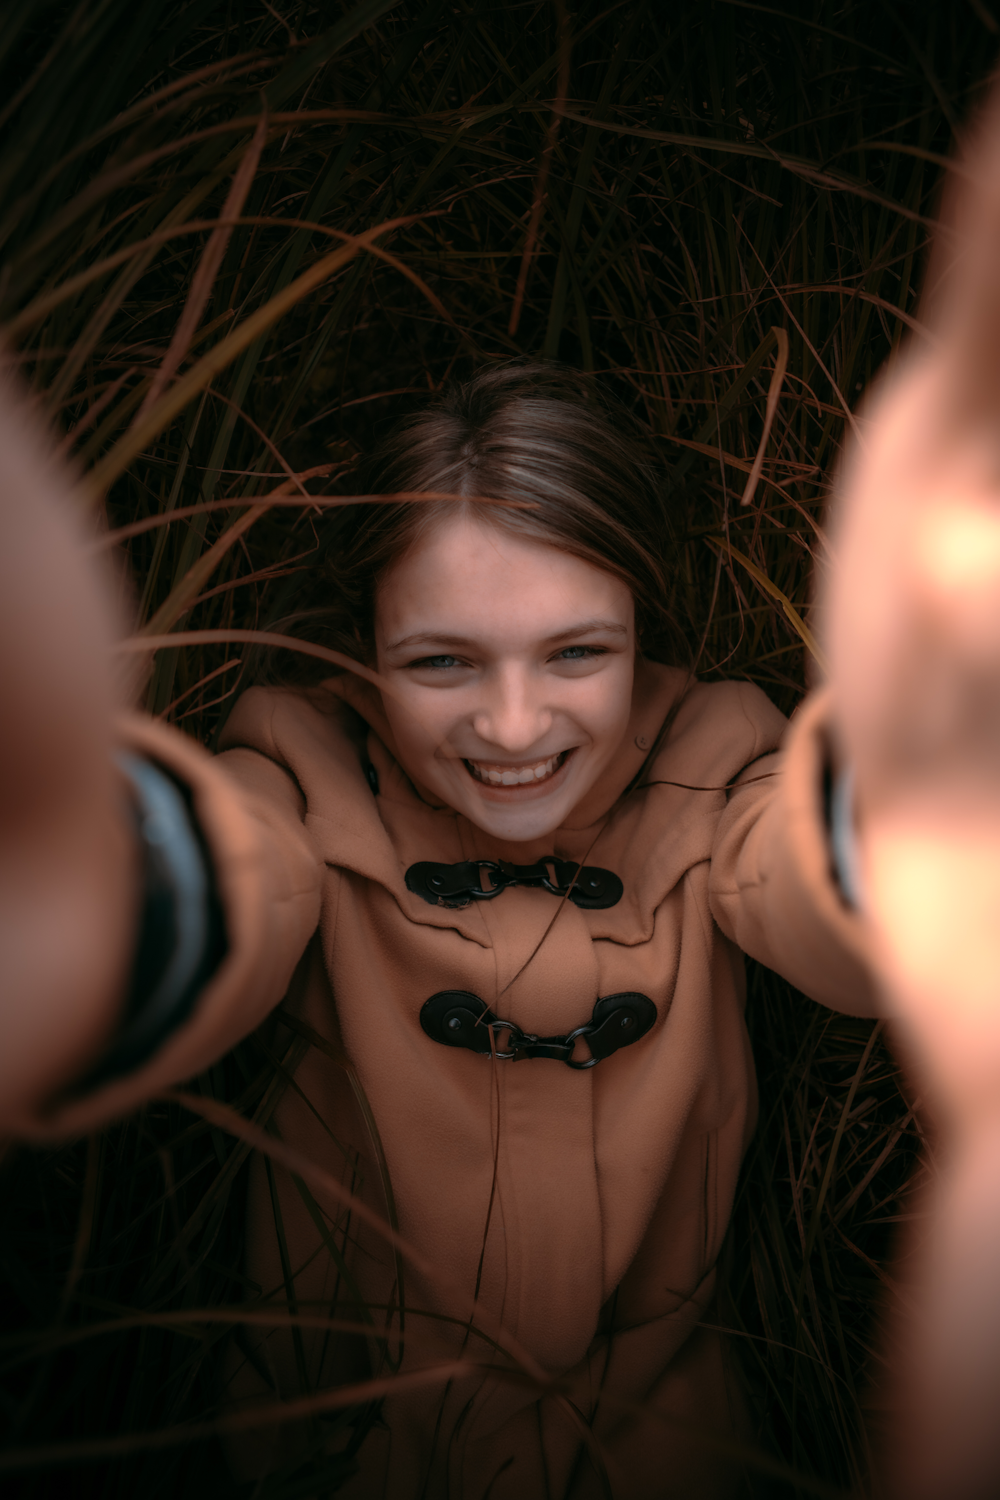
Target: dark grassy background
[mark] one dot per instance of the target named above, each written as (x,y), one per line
(751,168)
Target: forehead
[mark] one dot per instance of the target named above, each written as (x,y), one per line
(466,576)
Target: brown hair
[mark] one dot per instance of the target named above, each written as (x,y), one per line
(515,431)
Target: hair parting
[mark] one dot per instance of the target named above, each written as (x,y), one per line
(567,465)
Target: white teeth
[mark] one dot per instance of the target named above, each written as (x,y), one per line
(515,776)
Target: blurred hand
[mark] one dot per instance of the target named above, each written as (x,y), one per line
(914,637)
(67,899)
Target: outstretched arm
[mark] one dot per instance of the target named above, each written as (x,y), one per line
(112,987)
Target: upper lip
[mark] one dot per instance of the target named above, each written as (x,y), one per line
(516,765)
(513,765)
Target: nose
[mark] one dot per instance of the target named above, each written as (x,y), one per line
(512,715)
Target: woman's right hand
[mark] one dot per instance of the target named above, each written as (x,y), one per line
(68,902)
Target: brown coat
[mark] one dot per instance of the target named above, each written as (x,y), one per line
(588,1206)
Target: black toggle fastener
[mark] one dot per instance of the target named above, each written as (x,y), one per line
(590,888)
(457,1018)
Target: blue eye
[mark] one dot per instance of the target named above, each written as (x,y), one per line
(436,663)
(580,653)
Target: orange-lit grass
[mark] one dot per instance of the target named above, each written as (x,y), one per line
(768,172)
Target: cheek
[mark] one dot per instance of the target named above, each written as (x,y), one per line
(608,704)
(420,722)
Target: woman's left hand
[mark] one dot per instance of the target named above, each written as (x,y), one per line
(913,627)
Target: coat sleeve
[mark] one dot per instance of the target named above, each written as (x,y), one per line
(268,876)
(772,888)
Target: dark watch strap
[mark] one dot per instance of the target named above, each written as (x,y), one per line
(181,938)
(843,839)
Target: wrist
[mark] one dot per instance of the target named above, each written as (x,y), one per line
(842,831)
(180,938)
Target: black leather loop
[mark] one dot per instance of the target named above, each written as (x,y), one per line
(458,1018)
(590,888)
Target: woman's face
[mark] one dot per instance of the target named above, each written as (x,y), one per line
(511,665)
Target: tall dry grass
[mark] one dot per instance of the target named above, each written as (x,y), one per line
(236,239)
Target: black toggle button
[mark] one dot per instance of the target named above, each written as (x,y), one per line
(457,1018)
(590,888)
(618,1021)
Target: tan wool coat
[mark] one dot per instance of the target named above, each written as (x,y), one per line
(561,1222)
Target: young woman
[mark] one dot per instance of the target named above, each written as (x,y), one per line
(501,876)
(518,815)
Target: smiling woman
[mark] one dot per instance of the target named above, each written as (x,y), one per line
(526,850)
(506,633)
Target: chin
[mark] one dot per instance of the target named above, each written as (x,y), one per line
(515,830)
(532,820)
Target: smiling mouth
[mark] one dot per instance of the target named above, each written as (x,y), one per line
(530,773)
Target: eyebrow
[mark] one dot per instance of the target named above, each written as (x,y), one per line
(585,627)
